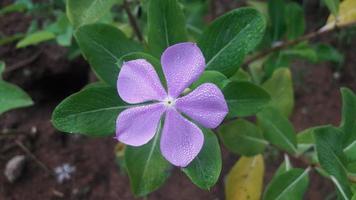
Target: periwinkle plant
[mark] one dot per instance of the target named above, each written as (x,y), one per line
(168,98)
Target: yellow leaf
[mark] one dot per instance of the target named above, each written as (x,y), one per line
(347,15)
(245,179)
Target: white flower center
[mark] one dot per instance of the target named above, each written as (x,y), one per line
(169,102)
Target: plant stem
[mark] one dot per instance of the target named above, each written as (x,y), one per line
(33,157)
(133,21)
(289,43)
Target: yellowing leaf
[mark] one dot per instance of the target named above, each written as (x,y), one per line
(244,181)
(347,15)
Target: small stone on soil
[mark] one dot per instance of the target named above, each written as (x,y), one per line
(14,168)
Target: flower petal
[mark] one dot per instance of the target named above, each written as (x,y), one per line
(181,140)
(138,82)
(136,126)
(206,105)
(182,64)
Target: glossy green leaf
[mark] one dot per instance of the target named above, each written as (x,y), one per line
(277,12)
(261,6)
(91,111)
(295,22)
(166,25)
(241,75)
(328,141)
(242,137)
(280,87)
(35,38)
(306,140)
(11,96)
(307,135)
(204,170)
(290,185)
(327,52)
(348,121)
(230,37)
(277,129)
(333,6)
(103,46)
(245,98)
(350,152)
(82,12)
(146,167)
(215,77)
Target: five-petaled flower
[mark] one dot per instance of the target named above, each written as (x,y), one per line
(138,82)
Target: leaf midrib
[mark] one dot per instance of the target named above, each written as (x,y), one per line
(254,139)
(151,153)
(229,43)
(284,137)
(292,184)
(87,11)
(98,110)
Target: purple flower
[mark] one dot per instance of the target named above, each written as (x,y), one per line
(138,82)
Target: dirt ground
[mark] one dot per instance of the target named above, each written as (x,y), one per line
(45,73)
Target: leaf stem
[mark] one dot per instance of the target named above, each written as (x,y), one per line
(289,43)
(133,21)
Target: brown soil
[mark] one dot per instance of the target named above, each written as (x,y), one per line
(50,77)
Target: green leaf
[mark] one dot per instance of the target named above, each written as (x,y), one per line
(348,121)
(275,61)
(295,20)
(333,6)
(245,179)
(2,67)
(82,12)
(103,46)
(11,95)
(290,185)
(332,158)
(215,77)
(241,75)
(278,129)
(350,152)
(306,140)
(166,25)
(147,169)
(62,29)
(302,51)
(280,87)
(327,52)
(204,170)
(277,13)
(230,38)
(245,98)
(15,7)
(261,6)
(35,38)
(242,137)
(91,111)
